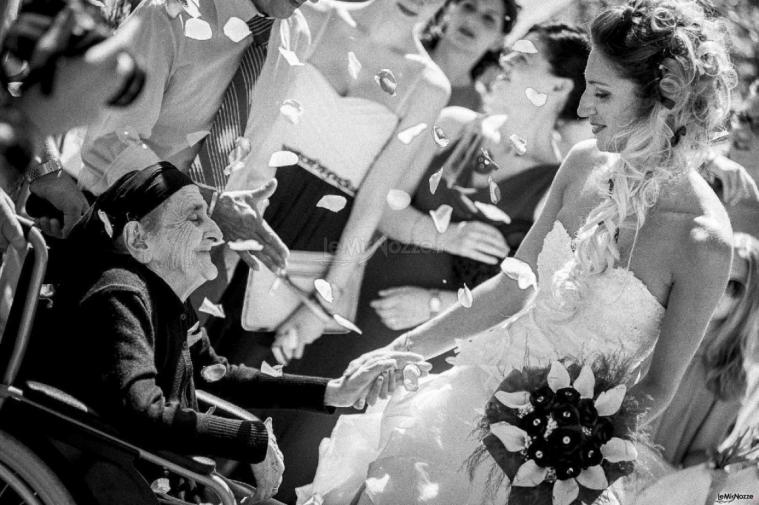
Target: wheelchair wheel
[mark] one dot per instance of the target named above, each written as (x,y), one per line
(25,478)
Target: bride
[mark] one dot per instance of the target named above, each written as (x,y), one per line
(632,252)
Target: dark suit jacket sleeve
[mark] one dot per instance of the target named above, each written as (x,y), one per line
(250,388)
(120,335)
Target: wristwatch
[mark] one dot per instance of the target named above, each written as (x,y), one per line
(47,167)
(435,302)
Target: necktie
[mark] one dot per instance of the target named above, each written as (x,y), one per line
(232,116)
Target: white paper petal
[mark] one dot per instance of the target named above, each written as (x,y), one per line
(213,373)
(246,245)
(354,66)
(236,29)
(212,309)
(608,402)
(529,474)
(290,57)
(520,272)
(272,371)
(440,137)
(283,159)
(558,377)
(292,110)
(386,80)
(345,15)
(335,203)
(441,217)
(495,191)
(324,289)
(535,97)
(585,382)
(435,180)
(492,212)
(512,437)
(593,477)
(106,223)
(618,449)
(195,137)
(161,486)
(173,8)
(465,296)
(565,491)
(491,126)
(513,400)
(409,134)
(524,46)
(197,29)
(191,7)
(398,199)
(519,144)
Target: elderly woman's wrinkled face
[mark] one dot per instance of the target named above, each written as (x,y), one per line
(610,102)
(182,240)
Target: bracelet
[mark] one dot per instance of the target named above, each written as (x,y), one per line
(48,167)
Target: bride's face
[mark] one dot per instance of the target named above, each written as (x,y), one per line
(609,102)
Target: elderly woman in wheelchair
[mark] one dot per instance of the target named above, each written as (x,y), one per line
(126,344)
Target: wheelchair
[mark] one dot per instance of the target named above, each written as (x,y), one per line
(33,469)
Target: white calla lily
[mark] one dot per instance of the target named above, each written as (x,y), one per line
(585,382)
(565,492)
(513,438)
(558,377)
(517,400)
(529,475)
(618,449)
(608,402)
(593,477)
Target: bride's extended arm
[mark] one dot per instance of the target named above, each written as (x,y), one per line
(701,272)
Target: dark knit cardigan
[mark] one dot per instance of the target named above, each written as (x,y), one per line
(126,355)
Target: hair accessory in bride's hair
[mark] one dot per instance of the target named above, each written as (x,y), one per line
(560,441)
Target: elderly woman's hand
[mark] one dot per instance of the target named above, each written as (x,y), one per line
(303,327)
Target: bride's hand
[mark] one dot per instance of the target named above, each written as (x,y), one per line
(303,327)
(395,351)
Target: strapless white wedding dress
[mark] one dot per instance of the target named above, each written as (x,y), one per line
(412,449)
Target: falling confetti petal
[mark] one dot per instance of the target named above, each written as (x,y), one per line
(345,15)
(440,137)
(441,217)
(354,66)
(435,180)
(290,57)
(398,199)
(345,323)
(335,203)
(409,134)
(173,8)
(464,191)
(212,309)
(197,29)
(324,289)
(195,137)
(272,371)
(495,191)
(213,373)
(283,159)
(491,126)
(519,144)
(525,46)
(292,110)
(386,80)
(106,222)
(411,374)
(465,297)
(492,212)
(236,29)
(469,203)
(275,285)
(537,98)
(161,486)
(520,272)
(246,245)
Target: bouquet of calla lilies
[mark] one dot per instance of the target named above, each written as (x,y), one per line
(562,434)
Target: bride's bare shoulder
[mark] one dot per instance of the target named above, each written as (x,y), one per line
(583,161)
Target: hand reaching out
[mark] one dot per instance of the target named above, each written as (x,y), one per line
(60,189)
(268,473)
(737,183)
(303,327)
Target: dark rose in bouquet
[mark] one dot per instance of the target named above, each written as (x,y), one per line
(562,435)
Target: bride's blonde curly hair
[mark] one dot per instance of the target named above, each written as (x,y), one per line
(676,54)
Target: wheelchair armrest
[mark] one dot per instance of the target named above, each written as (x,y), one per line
(207,400)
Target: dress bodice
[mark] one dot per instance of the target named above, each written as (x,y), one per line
(617,316)
(344,134)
